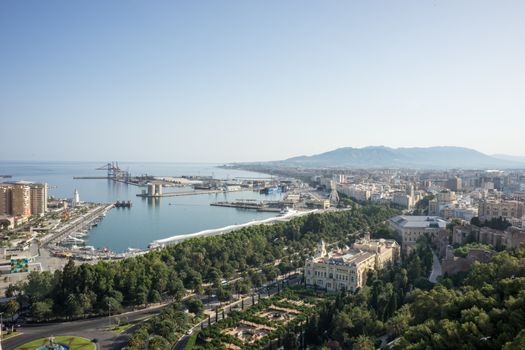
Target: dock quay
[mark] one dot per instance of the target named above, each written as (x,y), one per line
(250,205)
(91,178)
(183,193)
(77,224)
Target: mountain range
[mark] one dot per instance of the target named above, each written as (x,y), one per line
(416,157)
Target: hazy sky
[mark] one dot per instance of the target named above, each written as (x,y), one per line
(218,81)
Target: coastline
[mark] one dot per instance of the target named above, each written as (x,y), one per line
(160,243)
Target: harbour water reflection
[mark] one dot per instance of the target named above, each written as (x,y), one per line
(149,218)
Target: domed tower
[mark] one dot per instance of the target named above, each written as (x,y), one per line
(321,249)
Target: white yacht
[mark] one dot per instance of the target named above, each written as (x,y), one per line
(287,211)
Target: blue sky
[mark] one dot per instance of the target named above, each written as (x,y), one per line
(219,81)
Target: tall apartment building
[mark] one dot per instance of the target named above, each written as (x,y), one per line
(357,192)
(339,178)
(433,207)
(347,269)
(508,209)
(443,201)
(446,197)
(23,199)
(38,198)
(454,183)
(403,199)
(5,199)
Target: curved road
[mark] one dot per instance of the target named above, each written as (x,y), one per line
(436,269)
(107,340)
(91,328)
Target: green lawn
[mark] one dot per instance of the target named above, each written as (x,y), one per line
(74,343)
(118,329)
(191,342)
(9,335)
(121,328)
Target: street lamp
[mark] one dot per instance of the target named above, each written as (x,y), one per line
(109,315)
(1,326)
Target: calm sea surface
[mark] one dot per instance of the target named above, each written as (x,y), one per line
(148,219)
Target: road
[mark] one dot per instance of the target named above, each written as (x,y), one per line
(92,328)
(107,340)
(436,269)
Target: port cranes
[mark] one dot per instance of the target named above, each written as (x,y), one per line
(114,171)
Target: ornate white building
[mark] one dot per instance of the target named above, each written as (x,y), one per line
(346,269)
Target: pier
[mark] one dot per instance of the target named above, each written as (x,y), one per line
(182,193)
(77,224)
(250,205)
(91,178)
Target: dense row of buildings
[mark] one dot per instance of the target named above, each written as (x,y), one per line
(509,238)
(495,208)
(23,199)
(462,196)
(402,194)
(451,195)
(449,205)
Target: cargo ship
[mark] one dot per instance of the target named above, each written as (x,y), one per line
(270,190)
(202,187)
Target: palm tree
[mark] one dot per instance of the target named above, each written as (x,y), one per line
(12,308)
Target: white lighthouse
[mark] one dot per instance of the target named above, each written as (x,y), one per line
(76,198)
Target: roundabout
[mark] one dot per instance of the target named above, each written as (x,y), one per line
(59,343)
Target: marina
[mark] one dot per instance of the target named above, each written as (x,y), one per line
(71,230)
(148,218)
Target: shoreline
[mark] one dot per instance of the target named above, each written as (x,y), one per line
(160,243)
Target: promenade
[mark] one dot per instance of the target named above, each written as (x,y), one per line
(226,229)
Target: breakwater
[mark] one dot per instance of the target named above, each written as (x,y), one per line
(218,231)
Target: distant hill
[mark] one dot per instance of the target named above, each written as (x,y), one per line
(508,157)
(417,158)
